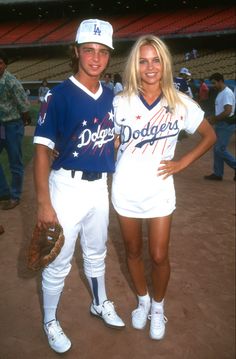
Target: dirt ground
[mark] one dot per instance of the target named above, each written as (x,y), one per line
(200,298)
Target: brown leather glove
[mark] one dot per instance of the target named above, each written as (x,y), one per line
(45,246)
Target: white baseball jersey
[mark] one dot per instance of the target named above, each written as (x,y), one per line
(148,135)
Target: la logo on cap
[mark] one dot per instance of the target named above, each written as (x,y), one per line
(97,30)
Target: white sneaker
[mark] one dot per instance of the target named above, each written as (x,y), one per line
(57,339)
(106,311)
(140,315)
(158,322)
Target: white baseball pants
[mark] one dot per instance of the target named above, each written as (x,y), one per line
(82,208)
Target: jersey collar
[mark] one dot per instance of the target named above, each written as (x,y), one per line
(95,96)
(150,107)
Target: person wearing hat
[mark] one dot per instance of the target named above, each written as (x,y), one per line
(181,81)
(76,119)
(181,84)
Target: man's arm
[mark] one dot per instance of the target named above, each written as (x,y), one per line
(46,215)
(22,102)
(222,116)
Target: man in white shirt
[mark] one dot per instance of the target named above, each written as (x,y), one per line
(225,126)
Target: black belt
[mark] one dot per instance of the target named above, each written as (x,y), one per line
(88,176)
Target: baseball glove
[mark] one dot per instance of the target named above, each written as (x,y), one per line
(45,246)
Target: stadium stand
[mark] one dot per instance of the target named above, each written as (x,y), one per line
(57,69)
(211,29)
(39,32)
(130,26)
(218,20)
(63,33)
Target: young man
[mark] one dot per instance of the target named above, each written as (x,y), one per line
(77,119)
(225,126)
(14,115)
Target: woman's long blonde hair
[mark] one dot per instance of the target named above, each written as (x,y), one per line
(132,81)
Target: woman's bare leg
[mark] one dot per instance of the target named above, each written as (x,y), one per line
(159,236)
(131,229)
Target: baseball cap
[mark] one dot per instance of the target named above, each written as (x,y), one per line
(94,30)
(185,71)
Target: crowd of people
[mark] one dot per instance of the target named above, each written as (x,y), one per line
(81,121)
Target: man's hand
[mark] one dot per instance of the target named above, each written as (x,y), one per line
(26,119)
(46,216)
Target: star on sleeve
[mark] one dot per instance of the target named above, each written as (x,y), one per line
(111,116)
(75,154)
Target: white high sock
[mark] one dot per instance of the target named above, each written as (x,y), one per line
(98,289)
(50,303)
(144,298)
(158,305)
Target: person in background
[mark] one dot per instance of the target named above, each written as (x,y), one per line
(181,84)
(27,91)
(225,125)
(194,53)
(149,114)
(77,119)
(181,81)
(14,115)
(193,88)
(107,81)
(118,87)
(203,95)
(234,91)
(43,90)
(187,56)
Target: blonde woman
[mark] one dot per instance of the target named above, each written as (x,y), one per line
(149,115)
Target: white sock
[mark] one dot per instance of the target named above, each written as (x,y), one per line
(158,305)
(144,298)
(97,285)
(50,303)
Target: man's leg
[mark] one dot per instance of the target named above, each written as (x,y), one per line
(224,132)
(14,138)
(93,242)
(4,188)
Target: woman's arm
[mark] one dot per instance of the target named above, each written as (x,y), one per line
(208,138)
